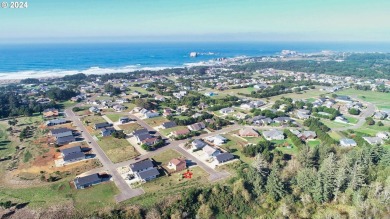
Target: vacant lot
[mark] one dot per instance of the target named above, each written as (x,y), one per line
(164,186)
(381,100)
(166,132)
(156,121)
(114,117)
(164,157)
(235,145)
(98,196)
(117,150)
(130,127)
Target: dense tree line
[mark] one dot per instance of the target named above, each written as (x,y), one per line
(320,129)
(58,94)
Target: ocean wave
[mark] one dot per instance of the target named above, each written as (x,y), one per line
(53,73)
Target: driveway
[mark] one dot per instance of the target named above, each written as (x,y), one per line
(125,191)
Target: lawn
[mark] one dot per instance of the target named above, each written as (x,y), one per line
(114,117)
(166,132)
(93,119)
(315,93)
(236,145)
(373,129)
(182,117)
(130,127)
(332,124)
(139,89)
(117,150)
(164,157)
(98,196)
(351,120)
(314,143)
(7,147)
(381,100)
(335,135)
(165,186)
(67,104)
(281,146)
(156,121)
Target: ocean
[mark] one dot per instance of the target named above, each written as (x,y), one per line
(45,60)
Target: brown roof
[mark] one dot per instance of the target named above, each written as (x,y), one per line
(177,161)
(181,132)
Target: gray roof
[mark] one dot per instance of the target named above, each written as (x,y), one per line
(85,180)
(59,130)
(102,125)
(140,131)
(74,156)
(71,150)
(63,134)
(198,143)
(347,141)
(141,165)
(66,139)
(148,173)
(224,157)
(169,124)
(143,136)
(56,121)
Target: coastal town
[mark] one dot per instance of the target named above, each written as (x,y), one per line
(152,132)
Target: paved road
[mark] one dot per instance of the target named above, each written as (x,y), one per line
(125,191)
(369,111)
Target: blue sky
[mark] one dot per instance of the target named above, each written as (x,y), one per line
(197,20)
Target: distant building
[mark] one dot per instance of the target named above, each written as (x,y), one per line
(248,132)
(347,142)
(72,154)
(210,151)
(198,144)
(167,125)
(56,122)
(273,135)
(373,140)
(51,112)
(197,126)
(224,157)
(226,110)
(107,131)
(102,125)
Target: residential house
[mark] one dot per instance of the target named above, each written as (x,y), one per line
(147,175)
(151,114)
(167,112)
(167,125)
(72,154)
(65,140)
(343,99)
(178,164)
(226,110)
(282,120)
(224,157)
(119,108)
(373,140)
(183,131)
(56,122)
(159,98)
(102,125)
(123,120)
(61,132)
(144,170)
(240,115)
(140,131)
(248,132)
(142,137)
(341,119)
(217,140)
(273,134)
(383,135)
(107,131)
(197,126)
(347,142)
(198,144)
(261,120)
(51,112)
(307,135)
(379,115)
(150,141)
(87,181)
(94,109)
(210,151)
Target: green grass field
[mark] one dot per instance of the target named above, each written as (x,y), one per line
(236,145)
(89,199)
(351,120)
(114,117)
(7,147)
(373,129)
(166,132)
(156,121)
(166,186)
(308,94)
(164,157)
(117,150)
(381,100)
(130,127)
